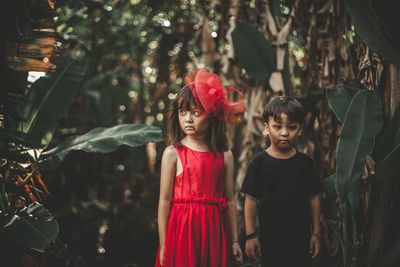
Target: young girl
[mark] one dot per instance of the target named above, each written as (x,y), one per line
(197,210)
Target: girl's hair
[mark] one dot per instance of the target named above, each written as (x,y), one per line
(293,109)
(217,139)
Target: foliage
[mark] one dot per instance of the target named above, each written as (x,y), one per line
(100,140)
(254,52)
(48,100)
(368,25)
(32,226)
(136,53)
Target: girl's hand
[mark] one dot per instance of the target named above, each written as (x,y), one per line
(161,254)
(314,246)
(253,249)
(237,253)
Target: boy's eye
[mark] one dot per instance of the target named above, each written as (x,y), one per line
(293,127)
(277,126)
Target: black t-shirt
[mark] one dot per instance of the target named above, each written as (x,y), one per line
(283,187)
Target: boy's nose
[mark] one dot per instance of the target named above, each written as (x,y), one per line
(284,132)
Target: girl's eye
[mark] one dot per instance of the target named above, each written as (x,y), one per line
(277,126)
(292,127)
(196,113)
(182,112)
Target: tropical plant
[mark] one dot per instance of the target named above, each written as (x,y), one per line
(27,129)
(50,100)
(358,110)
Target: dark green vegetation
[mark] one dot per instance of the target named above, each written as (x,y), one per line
(118,64)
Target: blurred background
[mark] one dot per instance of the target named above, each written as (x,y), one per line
(81,145)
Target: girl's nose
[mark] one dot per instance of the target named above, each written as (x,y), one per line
(188,117)
(284,132)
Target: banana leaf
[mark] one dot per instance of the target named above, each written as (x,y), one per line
(33,227)
(368,26)
(386,157)
(362,123)
(340,98)
(275,7)
(49,99)
(389,140)
(102,140)
(329,184)
(286,74)
(253,52)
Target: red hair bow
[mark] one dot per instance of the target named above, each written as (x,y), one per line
(212,96)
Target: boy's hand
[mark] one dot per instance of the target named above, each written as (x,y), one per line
(314,246)
(253,249)
(237,253)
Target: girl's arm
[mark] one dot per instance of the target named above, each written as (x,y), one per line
(168,171)
(230,198)
(315,214)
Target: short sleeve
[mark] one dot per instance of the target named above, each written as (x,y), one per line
(314,185)
(252,181)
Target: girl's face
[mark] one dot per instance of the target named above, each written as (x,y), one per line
(283,133)
(193,122)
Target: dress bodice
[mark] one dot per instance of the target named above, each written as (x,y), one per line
(202,174)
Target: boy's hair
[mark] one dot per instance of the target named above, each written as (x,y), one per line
(217,139)
(293,109)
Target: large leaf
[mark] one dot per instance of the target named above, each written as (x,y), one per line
(389,140)
(329,184)
(101,140)
(33,227)
(254,52)
(369,27)
(362,123)
(340,98)
(49,99)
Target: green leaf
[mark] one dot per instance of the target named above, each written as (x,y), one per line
(275,7)
(369,27)
(329,184)
(286,74)
(389,140)
(102,140)
(33,227)
(254,52)
(340,98)
(333,224)
(362,123)
(49,99)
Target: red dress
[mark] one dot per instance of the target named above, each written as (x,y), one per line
(198,233)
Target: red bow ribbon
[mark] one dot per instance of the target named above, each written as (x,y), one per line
(212,96)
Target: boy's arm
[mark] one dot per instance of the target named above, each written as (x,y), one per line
(250,209)
(315,214)
(253,248)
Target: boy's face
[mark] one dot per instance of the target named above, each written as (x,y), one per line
(283,133)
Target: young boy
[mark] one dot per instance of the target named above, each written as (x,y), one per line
(285,183)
